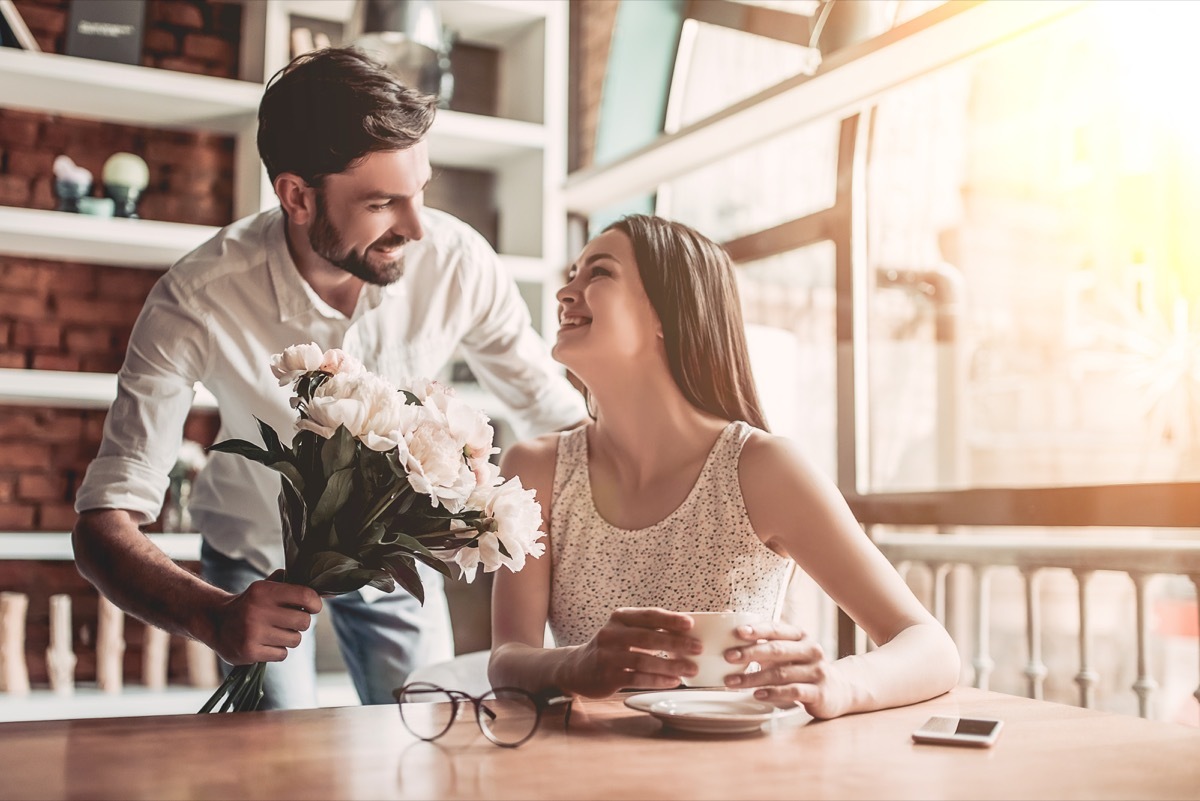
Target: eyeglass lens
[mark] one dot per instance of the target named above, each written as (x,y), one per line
(426,710)
(506,716)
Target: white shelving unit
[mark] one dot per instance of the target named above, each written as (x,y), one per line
(525,146)
(62,389)
(121,93)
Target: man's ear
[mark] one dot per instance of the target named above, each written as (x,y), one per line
(296,197)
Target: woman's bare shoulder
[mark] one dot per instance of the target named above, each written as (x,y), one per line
(532,459)
(773,467)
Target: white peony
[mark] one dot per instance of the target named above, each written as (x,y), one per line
(325,414)
(517,522)
(435,463)
(295,361)
(337,362)
(367,404)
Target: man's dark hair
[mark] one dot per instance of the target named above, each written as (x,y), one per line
(331,107)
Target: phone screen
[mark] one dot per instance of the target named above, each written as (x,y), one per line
(972,726)
(958,731)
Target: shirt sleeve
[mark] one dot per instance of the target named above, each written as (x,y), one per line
(505,352)
(144,427)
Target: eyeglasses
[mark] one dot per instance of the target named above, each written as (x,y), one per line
(508,716)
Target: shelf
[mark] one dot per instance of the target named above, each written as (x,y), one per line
(155,98)
(60,236)
(126,94)
(55,235)
(489,22)
(478,142)
(497,23)
(66,390)
(55,546)
(62,389)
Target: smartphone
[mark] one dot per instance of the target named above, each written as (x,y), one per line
(976,732)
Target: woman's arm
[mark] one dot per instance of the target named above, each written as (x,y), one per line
(521,601)
(796,509)
(620,655)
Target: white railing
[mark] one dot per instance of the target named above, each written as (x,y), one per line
(18,701)
(1031,555)
(1133,506)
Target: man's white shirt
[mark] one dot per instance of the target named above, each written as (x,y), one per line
(219,314)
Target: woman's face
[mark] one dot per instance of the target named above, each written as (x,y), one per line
(604,314)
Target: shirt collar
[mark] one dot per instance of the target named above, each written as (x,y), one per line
(294,295)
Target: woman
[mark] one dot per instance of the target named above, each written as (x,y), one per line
(675,497)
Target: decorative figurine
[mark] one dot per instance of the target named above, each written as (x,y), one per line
(125,177)
(71,182)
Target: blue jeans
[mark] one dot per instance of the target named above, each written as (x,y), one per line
(381,641)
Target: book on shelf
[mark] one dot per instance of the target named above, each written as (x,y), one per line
(13,30)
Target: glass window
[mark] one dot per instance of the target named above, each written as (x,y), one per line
(788,302)
(1034,259)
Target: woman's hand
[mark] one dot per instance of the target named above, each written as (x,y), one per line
(637,647)
(794,670)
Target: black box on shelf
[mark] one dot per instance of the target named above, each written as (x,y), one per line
(108,30)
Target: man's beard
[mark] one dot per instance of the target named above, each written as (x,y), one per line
(326,242)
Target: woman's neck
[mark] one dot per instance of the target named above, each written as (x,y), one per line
(647,427)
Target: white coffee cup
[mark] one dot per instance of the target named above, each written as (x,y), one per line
(715,630)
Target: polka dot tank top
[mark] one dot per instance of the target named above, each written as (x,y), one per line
(703,557)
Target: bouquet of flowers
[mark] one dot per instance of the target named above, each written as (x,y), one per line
(376,479)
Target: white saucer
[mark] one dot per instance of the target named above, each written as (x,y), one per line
(708,711)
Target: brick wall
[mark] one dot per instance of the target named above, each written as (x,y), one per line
(77,317)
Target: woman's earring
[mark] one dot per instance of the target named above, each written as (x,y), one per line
(587,399)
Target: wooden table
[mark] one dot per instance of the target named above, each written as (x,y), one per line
(1046,751)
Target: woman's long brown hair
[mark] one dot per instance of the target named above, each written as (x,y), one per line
(691,284)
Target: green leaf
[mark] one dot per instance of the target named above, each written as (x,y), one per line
(404,505)
(378,478)
(410,544)
(340,580)
(248,450)
(375,534)
(383,581)
(329,571)
(290,472)
(270,438)
(294,518)
(338,451)
(307,446)
(336,493)
(404,569)
(503,550)
(409,398)
(437,564)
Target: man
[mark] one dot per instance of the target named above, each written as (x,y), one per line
(351,259)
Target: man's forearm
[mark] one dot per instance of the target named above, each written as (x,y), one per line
(115,556)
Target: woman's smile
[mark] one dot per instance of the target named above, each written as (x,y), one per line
(573,321)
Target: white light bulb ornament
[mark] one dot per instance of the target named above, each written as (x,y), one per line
(125,177)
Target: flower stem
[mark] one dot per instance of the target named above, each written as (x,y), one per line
(478,528)
(242,690)
(224,688)
(382,507)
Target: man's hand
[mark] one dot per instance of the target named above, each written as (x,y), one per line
(261,623)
